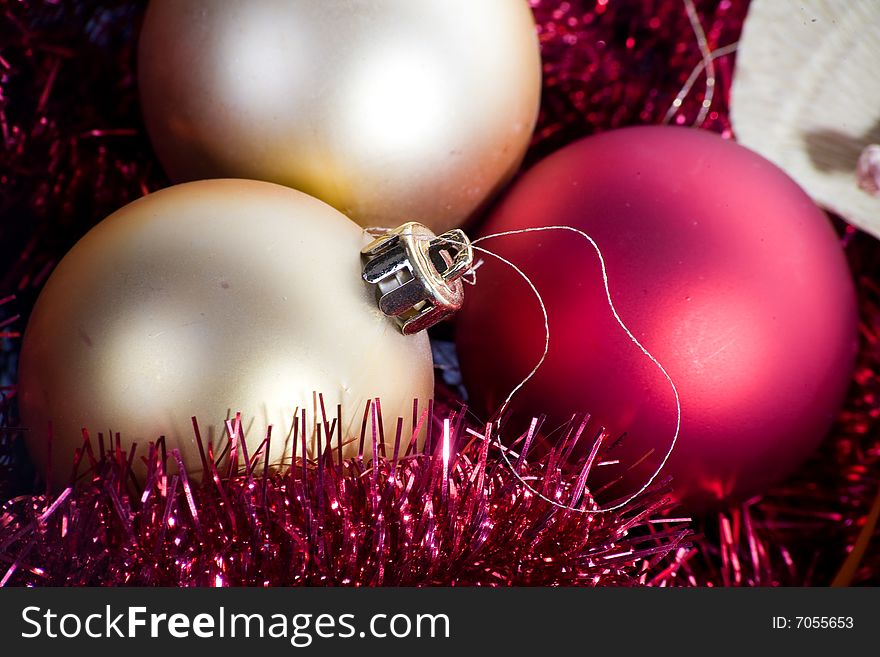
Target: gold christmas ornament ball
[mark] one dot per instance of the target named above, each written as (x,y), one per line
(388,110)
(206,299)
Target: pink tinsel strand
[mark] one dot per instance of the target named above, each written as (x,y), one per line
(443,518)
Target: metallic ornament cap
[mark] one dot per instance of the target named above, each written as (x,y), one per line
(417,274)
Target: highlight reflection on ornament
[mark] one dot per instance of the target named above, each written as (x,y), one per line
(722,267)
(205,299)
(387,110)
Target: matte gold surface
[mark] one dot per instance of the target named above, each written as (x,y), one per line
(206,299)
(389,110)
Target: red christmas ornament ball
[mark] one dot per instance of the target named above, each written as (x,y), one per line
(718,263)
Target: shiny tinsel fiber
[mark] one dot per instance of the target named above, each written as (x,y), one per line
(449,515)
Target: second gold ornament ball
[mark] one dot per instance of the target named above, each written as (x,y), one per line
(205,299)
(388,110)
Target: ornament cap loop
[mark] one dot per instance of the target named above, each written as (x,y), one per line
(417,274)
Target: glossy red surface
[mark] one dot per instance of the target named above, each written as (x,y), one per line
(721,266)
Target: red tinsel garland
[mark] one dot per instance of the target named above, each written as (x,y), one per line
(74,150)
(444,517)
